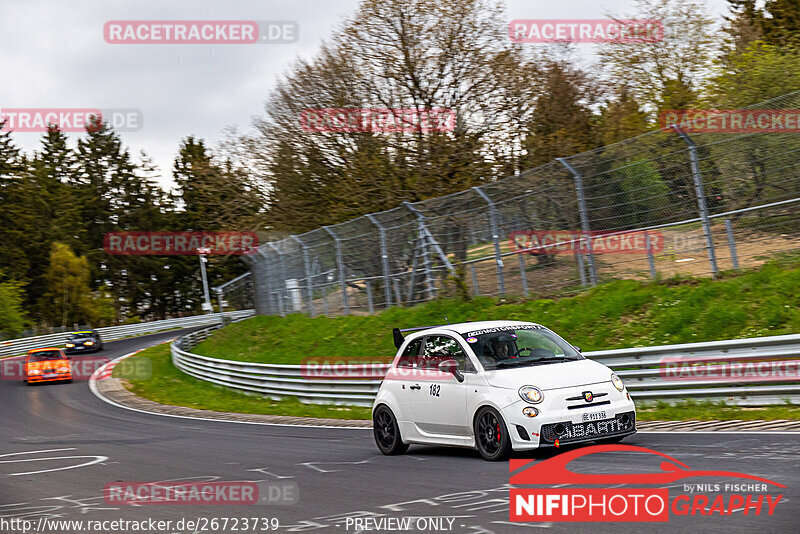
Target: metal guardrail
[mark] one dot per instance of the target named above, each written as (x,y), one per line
(640,368)
(22,345)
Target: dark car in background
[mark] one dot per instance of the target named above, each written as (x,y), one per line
(84,341)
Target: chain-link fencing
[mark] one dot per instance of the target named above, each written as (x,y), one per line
(661,204)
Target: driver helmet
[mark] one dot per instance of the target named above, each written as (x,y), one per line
(502,346)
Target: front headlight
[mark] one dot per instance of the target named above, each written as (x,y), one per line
(88,343)
(617,381)
(35,372)
(531,394)
(63,369)
(70,345)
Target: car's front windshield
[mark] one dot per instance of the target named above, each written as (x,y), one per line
(79,335)
(509,347)
(45,356)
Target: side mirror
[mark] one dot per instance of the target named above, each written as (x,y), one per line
(451,367)
(576,348)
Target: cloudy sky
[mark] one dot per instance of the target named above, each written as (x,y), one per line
(54,56)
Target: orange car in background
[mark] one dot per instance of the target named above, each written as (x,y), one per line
(47,365)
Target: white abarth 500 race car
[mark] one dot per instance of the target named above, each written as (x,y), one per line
(497,386)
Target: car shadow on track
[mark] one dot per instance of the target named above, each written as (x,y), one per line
(536,454)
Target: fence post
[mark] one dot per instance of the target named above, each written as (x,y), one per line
(397,294)
(581,268)
(325,310)
(476,292)
(307,269)
(263,254)
(522,274)
(282,273)
(732,244)
(584,214)
(340,264)
(425,240)
(651,261)
(218,291)
(387,290)
(701,198)
(370,306)
(501,284)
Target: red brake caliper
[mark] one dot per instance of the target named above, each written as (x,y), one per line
(498,432)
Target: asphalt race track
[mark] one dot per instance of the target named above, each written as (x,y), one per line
(60,445)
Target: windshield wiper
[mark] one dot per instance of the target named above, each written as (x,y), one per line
(512,363)
(528,361)
(550,359)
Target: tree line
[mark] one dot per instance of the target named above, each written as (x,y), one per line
(517,105)
(58,203)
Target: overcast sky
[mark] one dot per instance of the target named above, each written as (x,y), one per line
(54,56)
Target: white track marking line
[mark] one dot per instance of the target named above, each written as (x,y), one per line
(33,452)
(787,432)
(97,459)
(96,392)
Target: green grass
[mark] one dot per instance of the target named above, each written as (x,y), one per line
(168,385)
(623,313)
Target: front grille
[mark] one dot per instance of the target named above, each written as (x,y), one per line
(581,401)
(567,432)
(580,397)
(592,405)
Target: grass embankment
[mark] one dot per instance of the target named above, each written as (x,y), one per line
(619,314)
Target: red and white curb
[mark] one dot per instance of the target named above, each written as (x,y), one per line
(104,372)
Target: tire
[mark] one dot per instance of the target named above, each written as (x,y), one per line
(491,435)
(387,432)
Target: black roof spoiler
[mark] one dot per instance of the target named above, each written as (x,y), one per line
(398,338)
(421,328)
(398,333)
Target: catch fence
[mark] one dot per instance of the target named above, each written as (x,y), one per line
(661,204)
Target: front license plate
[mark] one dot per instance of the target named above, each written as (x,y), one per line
(50,375)
(594,416)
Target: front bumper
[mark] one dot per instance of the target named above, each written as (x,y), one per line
(564,421)
(81,348)
(565,433)
(47,378)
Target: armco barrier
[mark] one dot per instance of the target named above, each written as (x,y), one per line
(22,345)
(640,368)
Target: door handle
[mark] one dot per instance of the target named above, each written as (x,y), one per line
(415,386)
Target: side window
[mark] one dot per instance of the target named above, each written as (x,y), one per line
(409,356)
(441,348)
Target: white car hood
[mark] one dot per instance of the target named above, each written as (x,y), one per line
(550,375)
